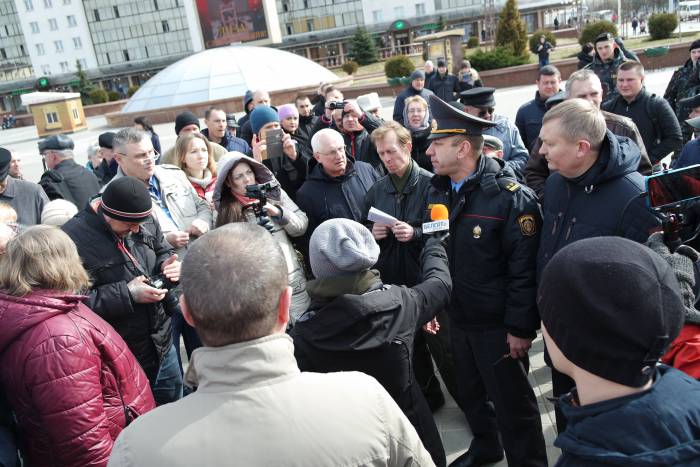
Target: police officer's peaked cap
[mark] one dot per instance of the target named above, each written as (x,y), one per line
(690,102)
(478,97)
(694,122)
(56,143)
(604,37)
(452,121)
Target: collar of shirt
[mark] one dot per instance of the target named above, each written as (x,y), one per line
(457,185)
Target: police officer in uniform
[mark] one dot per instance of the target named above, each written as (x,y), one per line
(492,250)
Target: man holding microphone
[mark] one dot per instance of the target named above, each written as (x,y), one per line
(494,227)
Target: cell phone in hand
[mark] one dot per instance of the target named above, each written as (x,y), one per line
(273,142)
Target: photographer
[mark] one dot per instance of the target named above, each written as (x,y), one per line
(280,216)
(123,249)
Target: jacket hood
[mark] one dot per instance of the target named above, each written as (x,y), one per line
(356,320)
(646,429)
(228,161)
(20,314)
(618,157)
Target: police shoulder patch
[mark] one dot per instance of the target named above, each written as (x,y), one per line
(512,186)
(528,227)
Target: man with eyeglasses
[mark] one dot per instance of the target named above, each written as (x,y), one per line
(64,178)
(336,186)
(480,102)
(182,214)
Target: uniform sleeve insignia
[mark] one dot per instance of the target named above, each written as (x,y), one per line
(527,225)
(512,186)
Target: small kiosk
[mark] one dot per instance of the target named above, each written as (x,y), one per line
(55,112)
(445,44)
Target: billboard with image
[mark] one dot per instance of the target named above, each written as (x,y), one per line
(225,22)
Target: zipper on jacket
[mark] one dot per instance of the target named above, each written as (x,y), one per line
(556,223)
(571,227)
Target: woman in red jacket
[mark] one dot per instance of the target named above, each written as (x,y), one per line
(195,157)
(69,377)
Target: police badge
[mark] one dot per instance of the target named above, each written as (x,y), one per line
(527,225)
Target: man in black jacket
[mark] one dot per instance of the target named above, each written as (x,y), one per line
(357,323)
(444,84)
(529,116)
(123,249)
(494,228)
(416,88)
(653,115)
(64,178)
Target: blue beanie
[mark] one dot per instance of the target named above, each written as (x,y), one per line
(261,115)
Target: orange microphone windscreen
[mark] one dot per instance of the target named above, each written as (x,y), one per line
(439,213)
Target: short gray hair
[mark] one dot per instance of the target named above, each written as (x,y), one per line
(64,153)
(578,119)
(328,133)
(579,75)
(127,136)
(231,292)
(92,149)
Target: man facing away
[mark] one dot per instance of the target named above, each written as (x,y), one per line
(253,406)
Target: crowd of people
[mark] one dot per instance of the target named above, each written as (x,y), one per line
(297,255)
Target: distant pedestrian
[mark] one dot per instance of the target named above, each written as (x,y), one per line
(635,23)
(543,50)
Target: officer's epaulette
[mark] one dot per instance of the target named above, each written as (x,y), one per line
(508,184)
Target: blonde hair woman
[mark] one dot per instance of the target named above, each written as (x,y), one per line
(195,157)
(70,378)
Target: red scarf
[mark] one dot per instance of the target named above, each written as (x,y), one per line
(244,200)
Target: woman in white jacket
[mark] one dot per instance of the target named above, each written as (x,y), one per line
(235,172)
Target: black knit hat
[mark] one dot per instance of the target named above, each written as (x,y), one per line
(694,45)
(185,118)
(612,306)
(127,199)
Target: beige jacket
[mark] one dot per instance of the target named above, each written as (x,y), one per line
(254,408)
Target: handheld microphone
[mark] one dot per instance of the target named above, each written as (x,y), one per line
(440,220)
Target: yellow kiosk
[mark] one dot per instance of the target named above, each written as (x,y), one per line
(55,112)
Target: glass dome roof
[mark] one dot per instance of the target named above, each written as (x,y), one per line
(226,72)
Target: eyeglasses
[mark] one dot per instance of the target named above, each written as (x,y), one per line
(338,150)
(145,157)
(486,111)
(416,111)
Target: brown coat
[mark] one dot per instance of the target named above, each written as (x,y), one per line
(536,171)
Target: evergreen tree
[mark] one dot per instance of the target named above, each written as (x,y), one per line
(362,48)
(84,85)
(511,31)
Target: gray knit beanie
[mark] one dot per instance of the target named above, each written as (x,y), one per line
(341,246)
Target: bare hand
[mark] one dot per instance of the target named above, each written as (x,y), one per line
(272,210)
(352,108)
(289,147)
(171,269)
(403,232)
(518,345)
(379,231)
(141,292)
(198,228)
(178,238)
(432,326)
(259,148)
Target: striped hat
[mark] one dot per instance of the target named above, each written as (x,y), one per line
(127,199)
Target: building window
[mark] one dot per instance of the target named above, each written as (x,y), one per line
(64,67)
(309,25)
(40,49)
(126,55)
(420,9)
(35,27)
(53,24)
(83,63)
(21,49)
(155,4)
(96,12)
(285,6)
(3,54)
(28,5)
(66,2)
(165,25)
(71,21)
(438,4)
(45,70)
(58,45)
(290,29)
(306,4)
(377,16)
(77,43)
(116,11)
(48,3)
(51,117)
(398,12)
(76,116)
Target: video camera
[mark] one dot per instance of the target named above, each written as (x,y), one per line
(259,192)
(334,105)
(675,196)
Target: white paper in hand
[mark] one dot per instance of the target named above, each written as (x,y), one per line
(380,217)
